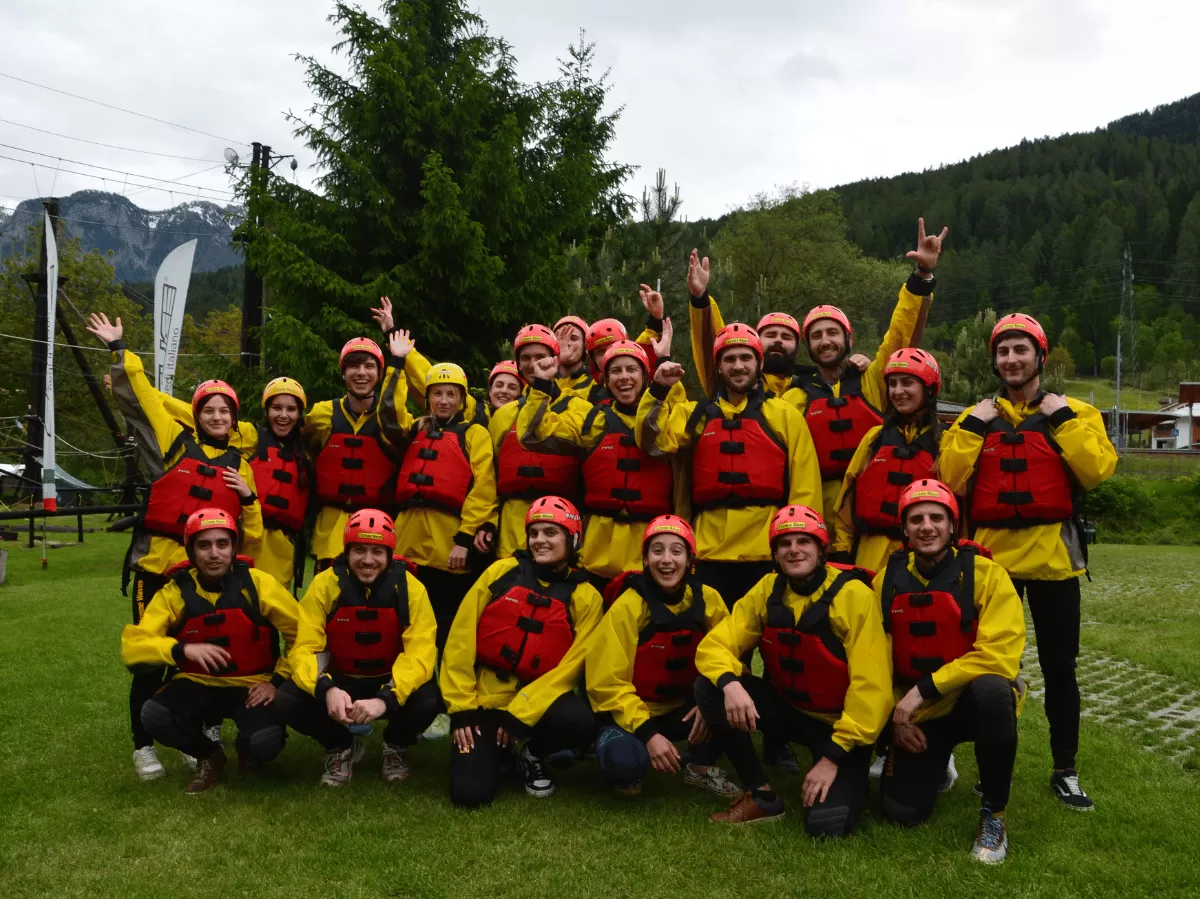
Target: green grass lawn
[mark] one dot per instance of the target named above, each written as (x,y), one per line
(77,822)
(1103,393)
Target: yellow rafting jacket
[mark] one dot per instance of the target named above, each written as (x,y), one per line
(150,641)
(731,535)
(999,641)
(413,667)
(873,549)
(855,619)
(1046,552)
(155,433)
(467,687)
(612,654)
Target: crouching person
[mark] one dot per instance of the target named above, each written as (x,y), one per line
(641,667)
(957,635)
(218,622)
(365,650)
(514,660)
(820,633)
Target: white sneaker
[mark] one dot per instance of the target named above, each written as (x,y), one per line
(876,769)
(951,776)
(213,733)
(146,763)
(991,841)
(439,730)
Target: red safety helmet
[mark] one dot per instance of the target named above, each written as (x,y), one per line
(625,348)
(927,490)
(212,388)
(370,527)
(361,345)
(670,524)
(535,334)
(605,332)
(559,511)
(779,319)
(831,312)
(737,334)
(918,363)
(504,367)
(574,321)
(799,518)
(206,520)
(1020,323)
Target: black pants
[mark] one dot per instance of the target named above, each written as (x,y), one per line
(148,682)
(177,714)
(838,813)
(732,580)
(1054,607)
(306,714)
(624,758)
(986,715)
(475,775)
(446,591)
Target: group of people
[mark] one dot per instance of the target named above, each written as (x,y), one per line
(586,560)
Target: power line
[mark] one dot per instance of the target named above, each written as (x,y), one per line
(39,165)
(140,115)
(104,168)
(96,349)
(96,143)
(62,218)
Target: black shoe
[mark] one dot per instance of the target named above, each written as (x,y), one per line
(1065,785)
(779,755)
(538,779)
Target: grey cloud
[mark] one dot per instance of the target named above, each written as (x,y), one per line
(809,65)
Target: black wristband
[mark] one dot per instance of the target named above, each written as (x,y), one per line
(659,391)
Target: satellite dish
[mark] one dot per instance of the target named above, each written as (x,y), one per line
(231,156)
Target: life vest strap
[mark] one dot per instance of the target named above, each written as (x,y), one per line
(899,478)
(629,465)
(923,628)
(1014,466)
(840,425)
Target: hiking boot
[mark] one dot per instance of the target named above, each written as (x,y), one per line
(991,842)
(395,764)
(207,772)
(339,764)
(439,729)
(748,810)
(951,776)
(779,755)
(538,779)
(631,791)
(714,780)
(146,763)
(1065,785)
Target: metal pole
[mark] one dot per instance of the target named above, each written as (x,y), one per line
(252,283)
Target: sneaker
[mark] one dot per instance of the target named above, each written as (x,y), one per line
(951,776)
(439,730)
(538,779)
(213,733)
(207,772)
(339,765)
(631,791)
(714,780)
(991,842)
(395,764)
(747,810)
(779,755)
(146,763)
(876,770)
(189,760)
(1065,785)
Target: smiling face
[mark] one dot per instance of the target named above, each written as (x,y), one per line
(778,340)
(927,527)
(668,560)
(366,561)
(529,354)
(503,389)
(1016,359)
(797,554)
(360,374)
(738,367)
(827,343)
(216,417)
(906,393)
(282,414)
(570,346)
(212,551)
(548,543)
(626,379)
(444,400)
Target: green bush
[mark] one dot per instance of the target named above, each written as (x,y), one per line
(1128,509)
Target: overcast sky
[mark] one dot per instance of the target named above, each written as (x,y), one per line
(730,97)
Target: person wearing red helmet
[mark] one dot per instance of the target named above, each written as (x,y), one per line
(365,650)
(582,348)
(891,456)
(1024,460)
(188,470)
(833,392)
(826,684)
(641,667)
(216,623)
(515,659)
(956,632)
(574,378)
(504,385)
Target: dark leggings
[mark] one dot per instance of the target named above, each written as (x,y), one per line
(986,715)
(1054,607)
(838,813)
(446,591)
(148,680)
(178,713)
(306,714)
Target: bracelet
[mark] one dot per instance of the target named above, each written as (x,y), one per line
(928,272)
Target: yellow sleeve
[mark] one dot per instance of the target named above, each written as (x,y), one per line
(532,700)
(480,505)
(804,475)
(252,521)
(720,652)
(858,621)
(148,643)
(897,337)
(414,667)
(1000,638)
(140,403)
(391,411)
(1085,445)
(539,422)
(458,680)
(706,322)
(610,664)
(843,521)
(661,426)
(648,336)
(318,425)
(416,368)
(318,600)
(281,609)
(959,451)
(715,610)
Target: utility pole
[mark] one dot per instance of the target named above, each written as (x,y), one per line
(252,289)
(35,418)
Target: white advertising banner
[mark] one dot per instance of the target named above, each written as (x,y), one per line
(170,298)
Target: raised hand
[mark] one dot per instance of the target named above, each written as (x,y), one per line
(662,345)
(929,247)
(668,374)
(383,315)
(400,343)
(546,368)
(698,275)
(652,300)
(105,330)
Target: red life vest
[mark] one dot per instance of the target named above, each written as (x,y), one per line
(664,664)
(932,624)
(365,628)
(737,462)
(192,483)
(436,471)
(804,659)
(619,480)
(235,623)
(282,481)
(524,474)
(1020,479)
(895,463)
(525,629)
(837,424)
(353,472)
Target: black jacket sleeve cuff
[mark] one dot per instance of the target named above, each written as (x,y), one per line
(702,302)
(117,345)
(388,695)
(1065,414)
(654,324)
(975,425)
(177,655)
(514,726)
(647,730)
(324,683)
(463,540)
(725,680)
(834,752)
(659,391)
(919,286)
(466,718)
(545,385)
(488,527)
(926,688)
(662,359)
(278,680)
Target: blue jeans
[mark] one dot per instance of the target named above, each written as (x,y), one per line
(624,759)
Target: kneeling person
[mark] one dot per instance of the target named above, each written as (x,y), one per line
(218,622)
(365,650)
(957,634)
(641,667)
(823,646)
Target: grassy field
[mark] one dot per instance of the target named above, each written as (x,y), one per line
(1103,394)
(77,822)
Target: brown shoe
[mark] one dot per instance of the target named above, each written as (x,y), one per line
(207,772)
(744,810)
